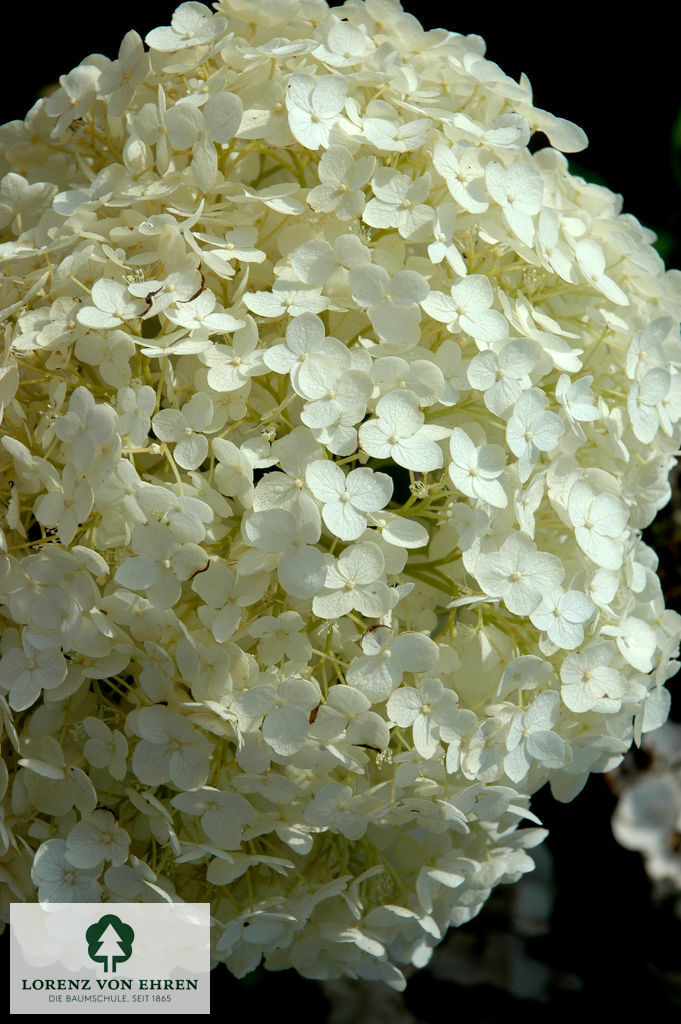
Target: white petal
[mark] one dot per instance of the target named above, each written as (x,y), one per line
(191,451)
(325,479)
(222,116)
(343,520)
(302,572)
(137,573)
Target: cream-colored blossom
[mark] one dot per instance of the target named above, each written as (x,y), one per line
(332,416)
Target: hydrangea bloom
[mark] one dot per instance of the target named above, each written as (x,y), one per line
(331,420)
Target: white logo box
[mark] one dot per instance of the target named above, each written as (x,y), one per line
(110,958)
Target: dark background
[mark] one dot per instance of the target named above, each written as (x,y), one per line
(616,74)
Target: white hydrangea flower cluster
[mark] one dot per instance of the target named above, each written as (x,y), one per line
(332,418)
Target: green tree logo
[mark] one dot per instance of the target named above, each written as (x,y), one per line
(109,942)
